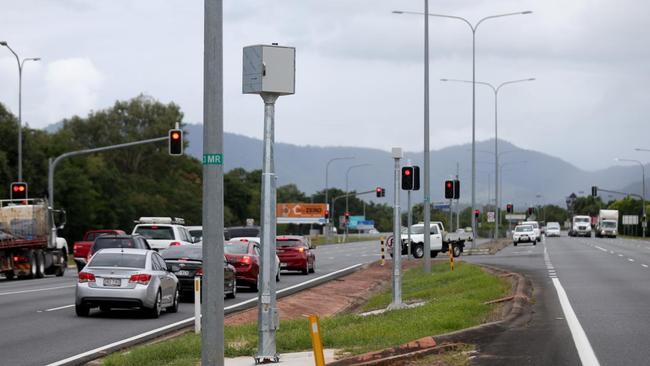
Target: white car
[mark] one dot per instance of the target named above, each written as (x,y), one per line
(536,229)
(258,241)
(524,234)
(552,229)
(196,232)
(163,232)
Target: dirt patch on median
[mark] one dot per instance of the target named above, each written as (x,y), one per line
(330,298)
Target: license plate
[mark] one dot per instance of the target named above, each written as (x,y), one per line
(183,273)
(283,264)
(113,282)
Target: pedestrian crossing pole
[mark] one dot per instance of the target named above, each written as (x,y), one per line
(382,249)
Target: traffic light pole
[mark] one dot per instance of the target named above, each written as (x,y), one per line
(397,247)
(53,163)
(409,222)
(345,196)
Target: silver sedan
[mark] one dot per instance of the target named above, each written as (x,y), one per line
(127,278)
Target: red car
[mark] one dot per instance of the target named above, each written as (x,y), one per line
(244,255)
(295,253)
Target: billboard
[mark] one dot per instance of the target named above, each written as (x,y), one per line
(301,213)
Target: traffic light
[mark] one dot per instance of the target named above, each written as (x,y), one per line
(594,191)
(509,208)
(175,142)
(407,178)
(456,189)
(530,211)
(449,189)
(416,178)
(381,192)
(327,214)
(477,213)
(18,191)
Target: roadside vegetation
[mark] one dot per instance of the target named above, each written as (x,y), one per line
(453,301)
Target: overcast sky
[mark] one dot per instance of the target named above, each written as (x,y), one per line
(359,75)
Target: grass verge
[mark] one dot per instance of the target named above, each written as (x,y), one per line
(352,238)
(454,300)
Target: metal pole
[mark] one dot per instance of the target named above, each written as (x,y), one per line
(397,248)
(212,338)
(409,222)
(497,203)
(267,312)
(57,160)
(645,223)
(458,200)
(473,135)
(20,122)
(327,166)
(347,194)
(427,173)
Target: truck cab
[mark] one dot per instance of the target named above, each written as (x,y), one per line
(580,226)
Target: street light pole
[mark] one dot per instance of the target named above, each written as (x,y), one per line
(644,223)
(327,167)
(347,175)
(473,28)
(20,105)
(496,139)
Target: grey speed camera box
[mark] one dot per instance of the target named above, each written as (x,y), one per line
(269,69)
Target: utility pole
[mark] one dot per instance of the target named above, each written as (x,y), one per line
(397,245)
(212,338)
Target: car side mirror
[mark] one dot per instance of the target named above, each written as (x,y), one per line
(169,267)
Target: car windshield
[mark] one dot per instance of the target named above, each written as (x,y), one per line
(553,225)
(127,260)
(581,219)
(192,252)
(196,233)
(289,243)
(609,224)
(236,248)
(417,229)
(156,232)
(103,243)
(525,228)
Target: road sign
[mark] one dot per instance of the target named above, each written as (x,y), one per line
(630,220)
(515,217)
(491,217)
(301,213)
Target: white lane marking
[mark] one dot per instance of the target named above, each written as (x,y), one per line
(35,290)
(644,265)
(603,249)
(630,259)
(188,320)
(585,352)
(620,255)
(60,307)
(611,251)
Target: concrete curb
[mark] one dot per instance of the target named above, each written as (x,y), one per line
(520,306)
(189,323)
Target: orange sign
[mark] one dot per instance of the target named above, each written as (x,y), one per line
(298,210)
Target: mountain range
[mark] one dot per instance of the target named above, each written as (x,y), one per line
(528,177)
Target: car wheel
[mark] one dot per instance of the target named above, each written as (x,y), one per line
(312,269)
(40,264)
(233,292)
(456,251)
(514,243)
(154,312)
(174,307)
(10,275)
(82,310)
(105,308)
(534,242)
(434,253)
(306,269)
(418,251)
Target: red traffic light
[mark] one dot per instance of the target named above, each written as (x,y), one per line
(18,191)
(175,135)
(407,172)
(175,142)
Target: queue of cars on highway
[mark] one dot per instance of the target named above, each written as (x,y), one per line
(155,266)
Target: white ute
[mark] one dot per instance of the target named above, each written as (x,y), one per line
(440,240)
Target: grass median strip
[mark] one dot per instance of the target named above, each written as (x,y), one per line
(454,300)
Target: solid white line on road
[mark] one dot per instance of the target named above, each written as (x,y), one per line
(585,351)
(188,320)
(60,307)
(603,249)
(644,265)
(630,259)
(35,290)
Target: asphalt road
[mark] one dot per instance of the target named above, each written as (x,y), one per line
(606,285)
(39,324)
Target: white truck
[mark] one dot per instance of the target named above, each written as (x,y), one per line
(440,240)
(580,226)
(607,225)
(29,244)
